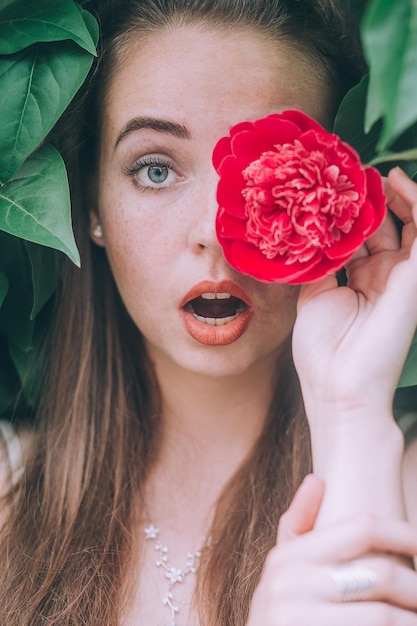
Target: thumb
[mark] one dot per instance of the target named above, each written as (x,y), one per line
(303,510)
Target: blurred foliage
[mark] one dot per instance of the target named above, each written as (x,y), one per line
(46,51)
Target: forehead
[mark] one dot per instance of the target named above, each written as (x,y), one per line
(196,72)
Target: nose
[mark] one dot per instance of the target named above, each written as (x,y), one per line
(202,233)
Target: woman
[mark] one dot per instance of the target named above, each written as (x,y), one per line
(164,453)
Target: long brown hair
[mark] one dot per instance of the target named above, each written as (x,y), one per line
(66,550)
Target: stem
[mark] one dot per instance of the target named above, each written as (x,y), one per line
(387,157)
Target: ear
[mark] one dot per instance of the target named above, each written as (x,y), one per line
(96,231)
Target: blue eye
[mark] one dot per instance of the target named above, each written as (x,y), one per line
(153,173)
(157,173)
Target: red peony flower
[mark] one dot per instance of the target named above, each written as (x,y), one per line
(295,202)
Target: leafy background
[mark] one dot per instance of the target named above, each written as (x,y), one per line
(46,51)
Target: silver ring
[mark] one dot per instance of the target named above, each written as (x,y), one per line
(353,581)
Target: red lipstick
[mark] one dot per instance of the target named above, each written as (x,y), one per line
(216,313)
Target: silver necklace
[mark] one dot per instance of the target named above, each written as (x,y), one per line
(174,575)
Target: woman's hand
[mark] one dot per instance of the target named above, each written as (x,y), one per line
(350,343)
(349,347)
(302,583)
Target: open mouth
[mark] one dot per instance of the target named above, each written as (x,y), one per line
(216,309)
(216,313)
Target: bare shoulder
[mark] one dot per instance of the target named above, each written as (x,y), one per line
(14,448)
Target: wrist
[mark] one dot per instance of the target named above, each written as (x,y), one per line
(347,417)
(356,433)
(361,468)
(345,401)
(360,441)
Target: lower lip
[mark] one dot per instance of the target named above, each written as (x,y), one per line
(215,335)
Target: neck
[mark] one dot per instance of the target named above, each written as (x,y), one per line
(209,425)
(212,419)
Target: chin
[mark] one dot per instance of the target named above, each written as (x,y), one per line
(225,362)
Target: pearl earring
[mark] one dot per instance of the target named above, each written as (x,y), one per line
(98,231)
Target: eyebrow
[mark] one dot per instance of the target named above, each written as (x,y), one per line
(153,123)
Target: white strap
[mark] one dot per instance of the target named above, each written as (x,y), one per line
(14,451)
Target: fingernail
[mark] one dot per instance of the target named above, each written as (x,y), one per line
(398,169)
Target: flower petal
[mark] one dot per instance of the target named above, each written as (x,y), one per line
(295,202)
(229,189)
(248,260)
(325,267)
(278,130)
(241,127)
(355,238)
(229,227)
(302,120)
(250,145)
(220,152)
(377,197)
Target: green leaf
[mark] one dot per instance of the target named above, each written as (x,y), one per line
(349,125)
(91,25)
(23,341)
(31,365)
(389,35)
(409,374)
(9,381)
(4,287)
(349,122)
(403,153)
(15,322)
(24,23)
(36,86)
(405,402)
(46,271)
(35,204)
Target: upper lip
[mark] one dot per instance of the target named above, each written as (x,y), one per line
(208,286)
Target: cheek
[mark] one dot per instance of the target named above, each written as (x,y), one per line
(282,308)
(128,252)
(140,253)
(136,276)
(135,237)
(138,222)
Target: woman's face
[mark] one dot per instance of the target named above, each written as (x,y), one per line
(168,102)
